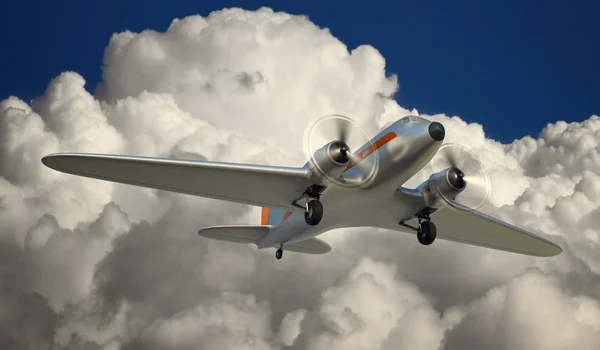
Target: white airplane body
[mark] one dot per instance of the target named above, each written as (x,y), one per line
(335,189)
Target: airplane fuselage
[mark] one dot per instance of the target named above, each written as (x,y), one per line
(400,151)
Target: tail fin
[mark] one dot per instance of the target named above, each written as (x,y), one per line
(274,217)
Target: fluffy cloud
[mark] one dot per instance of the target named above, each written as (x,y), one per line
(371,309)
(91,264)
(250,72)
(530,312)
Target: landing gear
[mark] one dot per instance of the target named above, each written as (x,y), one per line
(313,208)
(427,232)
(279,253)
(314,212)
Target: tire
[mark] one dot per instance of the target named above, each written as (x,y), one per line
(427,233)
(279,253)
(314,214)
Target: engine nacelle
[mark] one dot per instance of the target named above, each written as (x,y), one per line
(445,184)
(331,160)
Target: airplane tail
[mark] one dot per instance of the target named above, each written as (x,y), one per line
(236,233)
(254,234)
(273,217)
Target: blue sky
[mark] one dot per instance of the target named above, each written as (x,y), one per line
(513,66)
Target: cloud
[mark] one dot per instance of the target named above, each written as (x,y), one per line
(250,71)
(371,309)
(26,321)
(91,264)
(290,329)
(530,312)
(231,321)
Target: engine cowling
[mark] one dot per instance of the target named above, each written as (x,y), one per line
(447,183)
(331,160)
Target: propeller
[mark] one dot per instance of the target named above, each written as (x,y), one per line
(347,137)
(466,172)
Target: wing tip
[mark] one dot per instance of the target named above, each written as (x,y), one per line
(553,250)
(50,160)
(545,247)
(58,161)
(63,161)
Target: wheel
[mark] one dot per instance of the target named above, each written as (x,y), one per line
(279,253)
(427,233)
(314,214)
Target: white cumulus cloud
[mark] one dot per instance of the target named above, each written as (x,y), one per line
(87,264)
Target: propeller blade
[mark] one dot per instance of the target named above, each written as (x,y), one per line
(340,128)
(473,180)
(477,187)
(452,159)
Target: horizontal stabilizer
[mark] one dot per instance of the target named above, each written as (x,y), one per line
(254,234)
(309,246)
(238,234)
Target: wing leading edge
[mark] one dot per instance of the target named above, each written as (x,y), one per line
(260,185)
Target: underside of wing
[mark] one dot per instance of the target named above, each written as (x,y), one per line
(259,185)
(461,224)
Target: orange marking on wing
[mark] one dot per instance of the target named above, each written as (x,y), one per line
(287,215)
(373,147)
(264,217)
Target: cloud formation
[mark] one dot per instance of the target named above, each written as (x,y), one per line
(88,264)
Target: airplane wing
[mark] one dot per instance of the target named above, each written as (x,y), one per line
(260,185)
(464,225)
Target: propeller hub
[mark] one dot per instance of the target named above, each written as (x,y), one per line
(329,143)
(339,151)
(465,179)
(456,178)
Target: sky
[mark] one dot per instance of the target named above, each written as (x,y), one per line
(90,264)
(512,66)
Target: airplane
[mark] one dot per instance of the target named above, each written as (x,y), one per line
(336,188)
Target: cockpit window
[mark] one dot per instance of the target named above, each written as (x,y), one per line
(414,119)
(419,119)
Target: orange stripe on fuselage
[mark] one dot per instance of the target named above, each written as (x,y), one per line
(264,217)
(374,147)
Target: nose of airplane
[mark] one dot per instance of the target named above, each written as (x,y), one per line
(437,131)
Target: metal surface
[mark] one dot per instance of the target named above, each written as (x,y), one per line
(241,183)
(254,234)
(400,150)
(464,225)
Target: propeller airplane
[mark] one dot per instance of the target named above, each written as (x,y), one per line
(336,188)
